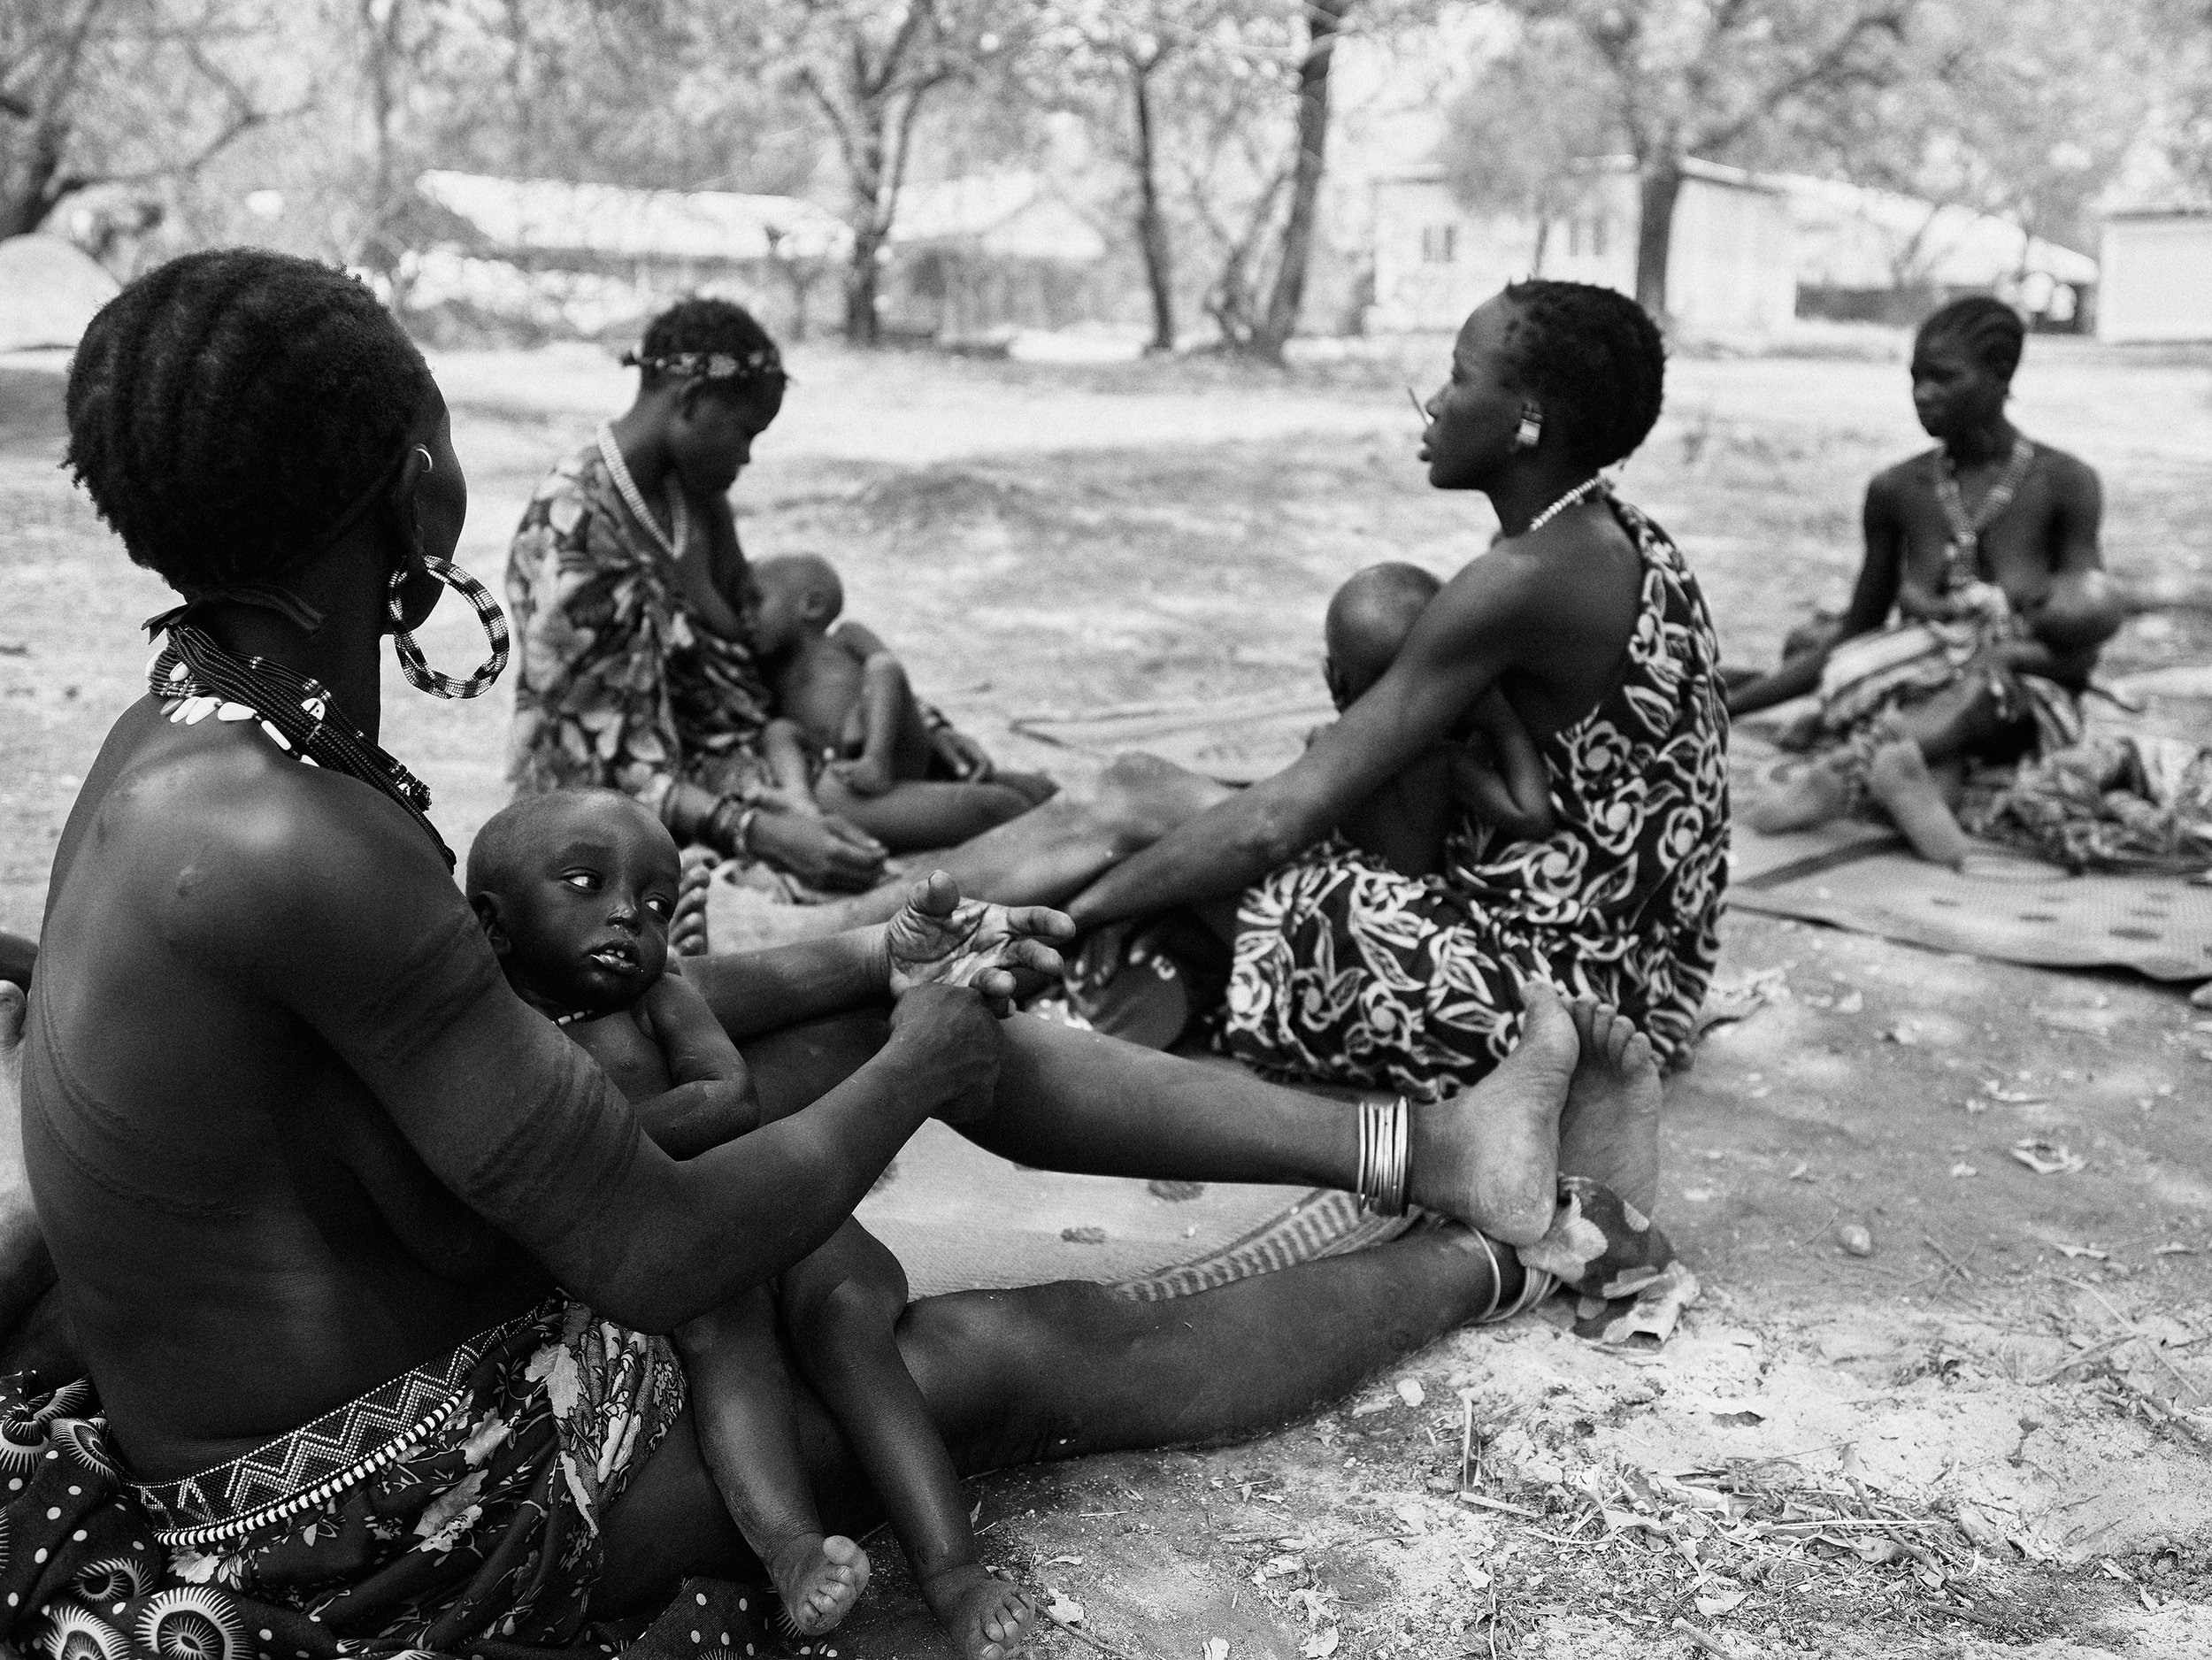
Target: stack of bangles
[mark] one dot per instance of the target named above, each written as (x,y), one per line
(1385,1169)
(729,827)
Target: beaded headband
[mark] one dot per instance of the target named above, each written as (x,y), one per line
(761,364)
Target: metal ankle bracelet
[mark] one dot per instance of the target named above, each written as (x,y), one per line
(1385,1156)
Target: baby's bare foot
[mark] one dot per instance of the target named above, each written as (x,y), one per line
(1489,1156)
(819,1579)
(1816,795)
(986,1617)
(1610,1131)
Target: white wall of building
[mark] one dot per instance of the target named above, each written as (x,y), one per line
(1731,268)
(2157,279)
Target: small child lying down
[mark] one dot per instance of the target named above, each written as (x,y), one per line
(848,734)
(575,891)
(1493,771)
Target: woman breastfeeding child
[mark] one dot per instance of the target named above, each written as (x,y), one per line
(640,665)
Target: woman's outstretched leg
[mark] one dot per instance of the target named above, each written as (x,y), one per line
(1058,1371)
(1053,1372)
(1074,1101)
(1047,854)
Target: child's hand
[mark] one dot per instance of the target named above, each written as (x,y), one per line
(939,939)
(866,776)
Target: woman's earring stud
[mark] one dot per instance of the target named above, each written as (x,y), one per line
(1531,429)
(429,461)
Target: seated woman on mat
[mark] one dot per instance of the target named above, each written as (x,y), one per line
(2000,607)
(1585,617)
(625,582)
(363,1255)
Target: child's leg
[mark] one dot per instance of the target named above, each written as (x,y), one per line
(740,1399)
(1405,822)
(914,814)
(841,1306)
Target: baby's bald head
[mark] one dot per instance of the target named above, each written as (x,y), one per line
(793,594)
(575,890)
(1369,620)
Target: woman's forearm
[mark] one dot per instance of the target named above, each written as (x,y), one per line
(1221,852)
(755,993)
(1794,679)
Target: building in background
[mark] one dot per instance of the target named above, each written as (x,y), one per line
(990,254)
(968,258)
(1875,256)
(2157,276)
(1731,267)
(557,257)
(49,290)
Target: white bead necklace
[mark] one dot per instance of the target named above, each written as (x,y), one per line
(1594,483)
(678,520)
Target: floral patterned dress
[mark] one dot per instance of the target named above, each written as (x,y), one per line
(616,687)
(1347,971)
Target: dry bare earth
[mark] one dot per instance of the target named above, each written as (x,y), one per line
(1054,539)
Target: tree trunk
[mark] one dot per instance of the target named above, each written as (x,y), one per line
(1325,21)
(1543,242)
(1159,265)
(870,229)
(1658,185)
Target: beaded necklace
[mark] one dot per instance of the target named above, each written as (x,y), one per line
(1594,483)
(195,678)
(633,498)
(1964,563)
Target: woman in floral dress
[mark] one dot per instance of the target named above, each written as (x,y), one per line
(1585,613)
(634,674)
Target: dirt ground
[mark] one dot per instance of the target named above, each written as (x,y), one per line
(1990,1433)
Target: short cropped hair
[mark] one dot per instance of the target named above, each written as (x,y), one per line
(519,829)
(1989,331)
(1592,359)
(227,409)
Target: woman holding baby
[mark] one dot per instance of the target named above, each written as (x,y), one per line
(366,1269)
(639,669)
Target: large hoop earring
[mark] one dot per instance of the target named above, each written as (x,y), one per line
(419,674)
(1530,431)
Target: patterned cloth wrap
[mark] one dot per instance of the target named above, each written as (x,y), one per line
(1348,972)
(2129,802)
(1869,679)
(453,1511)
(616,688)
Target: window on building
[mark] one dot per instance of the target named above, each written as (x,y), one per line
(1440,243)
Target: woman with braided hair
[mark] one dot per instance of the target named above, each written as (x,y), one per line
(628,586)
(365,1268)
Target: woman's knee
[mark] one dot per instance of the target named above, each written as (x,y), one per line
(996,1366)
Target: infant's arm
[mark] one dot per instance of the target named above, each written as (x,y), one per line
(1502,778)
(710,1100)
(784,745)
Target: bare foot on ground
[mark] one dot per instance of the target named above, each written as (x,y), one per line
(819,1579)
(1898,779)
(986,1617)
(1816,795)
(1489,1156)
(1610,1131)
